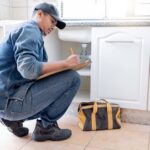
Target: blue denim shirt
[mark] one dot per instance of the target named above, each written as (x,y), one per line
(21,55)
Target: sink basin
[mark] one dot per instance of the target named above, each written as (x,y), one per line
(75,34)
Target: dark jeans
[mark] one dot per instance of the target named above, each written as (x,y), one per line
(47,98)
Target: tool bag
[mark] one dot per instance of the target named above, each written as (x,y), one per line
(99,115)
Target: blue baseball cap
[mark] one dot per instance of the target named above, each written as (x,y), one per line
(51,10)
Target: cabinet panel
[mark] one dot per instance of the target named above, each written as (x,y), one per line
(119,66)
(121,59)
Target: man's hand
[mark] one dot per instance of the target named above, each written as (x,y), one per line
(72,60)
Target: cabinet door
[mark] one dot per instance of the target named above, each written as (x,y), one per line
(120,66)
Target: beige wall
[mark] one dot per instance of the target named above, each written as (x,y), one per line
(4,9)
(19,9)
(22,9)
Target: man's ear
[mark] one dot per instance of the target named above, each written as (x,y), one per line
(39,13)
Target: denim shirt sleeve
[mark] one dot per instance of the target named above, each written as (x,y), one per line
(26,53)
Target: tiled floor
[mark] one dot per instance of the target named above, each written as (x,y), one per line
(129,137)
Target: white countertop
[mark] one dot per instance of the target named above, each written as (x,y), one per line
(92,23)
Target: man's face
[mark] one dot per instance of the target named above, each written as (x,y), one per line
(47,23)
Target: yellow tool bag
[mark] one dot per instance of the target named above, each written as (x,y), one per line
(99,115)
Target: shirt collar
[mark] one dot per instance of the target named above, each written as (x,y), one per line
(35,23)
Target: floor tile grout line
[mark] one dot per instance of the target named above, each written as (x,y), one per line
(90,141)
(149,139)
(25,144)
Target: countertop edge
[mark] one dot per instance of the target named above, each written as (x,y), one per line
(108,23)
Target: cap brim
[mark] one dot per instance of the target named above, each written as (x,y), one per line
(60,24)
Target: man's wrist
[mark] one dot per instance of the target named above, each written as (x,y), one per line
(65,64)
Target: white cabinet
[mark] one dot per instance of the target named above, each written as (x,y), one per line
(120,65)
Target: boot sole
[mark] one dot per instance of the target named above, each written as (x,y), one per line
(45,138)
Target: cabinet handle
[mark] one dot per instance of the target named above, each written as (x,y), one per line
(120,41)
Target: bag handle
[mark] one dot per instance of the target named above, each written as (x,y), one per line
(93,116)
(101,100)
(109,112)
(109,115)
(104,100)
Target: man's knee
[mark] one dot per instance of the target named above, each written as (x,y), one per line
(75,76)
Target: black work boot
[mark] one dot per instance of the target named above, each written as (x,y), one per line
(52,132)
(16,127)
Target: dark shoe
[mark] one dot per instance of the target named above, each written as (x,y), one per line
(16,127)
(52,132)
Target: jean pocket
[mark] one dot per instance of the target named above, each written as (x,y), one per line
(15,105)
(21,92)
